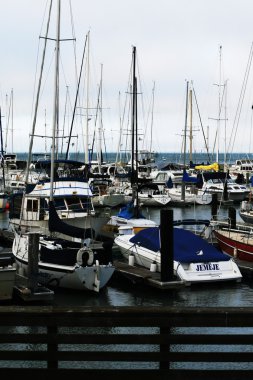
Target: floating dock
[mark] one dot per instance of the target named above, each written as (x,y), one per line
(24,288)
(143,276)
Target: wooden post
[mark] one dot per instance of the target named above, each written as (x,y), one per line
(52,348)
(33,259)
(183,191)
(225,193)
(167,245)
(165,348)
(232,217)
(214,206)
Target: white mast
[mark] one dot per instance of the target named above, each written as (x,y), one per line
(219,112)
(86,145)
(99,145)
(152,120)
(56,99)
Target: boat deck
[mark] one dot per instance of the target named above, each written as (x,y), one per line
(240,236)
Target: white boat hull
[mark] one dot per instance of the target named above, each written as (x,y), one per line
(190,273)
(108,200)
(200,198)
(76,277)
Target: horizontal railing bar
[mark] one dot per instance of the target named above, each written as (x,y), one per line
(108,320)
(108,374)
(129,356)
(135,339)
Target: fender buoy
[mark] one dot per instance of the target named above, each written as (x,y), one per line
(85,256)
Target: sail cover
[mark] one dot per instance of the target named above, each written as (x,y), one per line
(188,178)
(55,224)
(128,212)
(188,247)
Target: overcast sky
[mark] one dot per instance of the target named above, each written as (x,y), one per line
(206,42)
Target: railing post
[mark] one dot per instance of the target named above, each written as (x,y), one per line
(164,348)
(52,348)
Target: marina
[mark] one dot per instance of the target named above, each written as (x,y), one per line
(156,345)
(126,213)
(131,293)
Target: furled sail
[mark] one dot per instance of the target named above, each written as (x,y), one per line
(214,166)
(55,224)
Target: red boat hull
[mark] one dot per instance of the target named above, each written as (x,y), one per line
(235,248)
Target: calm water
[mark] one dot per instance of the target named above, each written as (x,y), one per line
(125,293)
(163,158)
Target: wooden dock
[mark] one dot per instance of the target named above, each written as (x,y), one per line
(24,289)
(140,275)
(143,276)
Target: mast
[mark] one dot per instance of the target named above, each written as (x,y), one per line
(99,152)
(12,120)
(190,117)
(219,111)
(134,162)
(2,150)
(37,97)
(76,99)
(185,125)
(86,145)
(152,119)
(56,99)
(185,134)
(133,179)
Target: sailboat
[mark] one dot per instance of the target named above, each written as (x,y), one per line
(131,215)
(76,261)
(188,192)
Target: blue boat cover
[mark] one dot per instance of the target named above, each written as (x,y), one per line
(188,247)
(169,183)
(128,212)
(188,178)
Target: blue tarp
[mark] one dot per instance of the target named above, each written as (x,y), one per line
(169,183)
(188,178)
(188,247)
(128,212)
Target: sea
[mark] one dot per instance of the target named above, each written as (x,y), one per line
(124,293)
(162,158)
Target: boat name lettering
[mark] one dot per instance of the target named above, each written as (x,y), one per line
(207,266)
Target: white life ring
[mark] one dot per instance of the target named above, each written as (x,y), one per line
(88,252)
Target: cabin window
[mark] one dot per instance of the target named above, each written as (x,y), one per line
(32,205)
(73,203)
(162,177)
(86,203)
(59,204)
